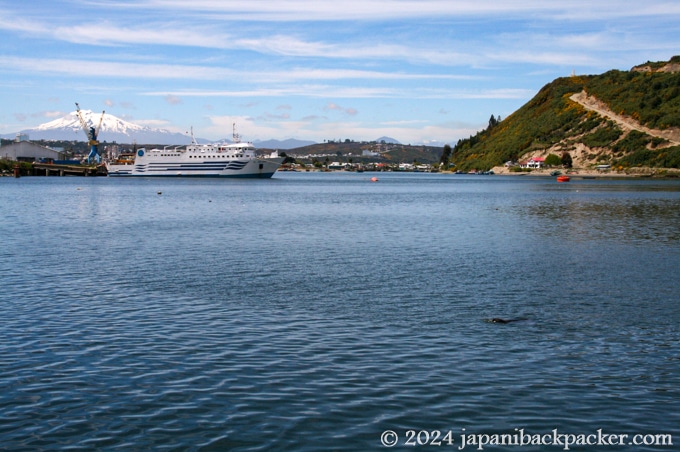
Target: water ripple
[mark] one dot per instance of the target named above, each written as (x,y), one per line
(329,310)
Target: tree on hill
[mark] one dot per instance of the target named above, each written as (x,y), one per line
(446,154)
(493,122)
(553,160)
(566,160)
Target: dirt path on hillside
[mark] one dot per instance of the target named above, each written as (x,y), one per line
(594,104)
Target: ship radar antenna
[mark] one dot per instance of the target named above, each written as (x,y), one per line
(235,136)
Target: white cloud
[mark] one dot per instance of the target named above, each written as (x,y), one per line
(247,127)
(428,57)
(157,123)
(52,114)
(15,23)
(172,99)
(325,91)
(386,10)
(90,68)
(335,107)
(108,34)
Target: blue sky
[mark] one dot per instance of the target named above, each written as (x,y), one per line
(419,71)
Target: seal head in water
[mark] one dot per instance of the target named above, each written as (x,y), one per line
(499,320)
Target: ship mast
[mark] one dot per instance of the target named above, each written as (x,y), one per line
(235,136)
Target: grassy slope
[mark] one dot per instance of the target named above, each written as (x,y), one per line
(552,121)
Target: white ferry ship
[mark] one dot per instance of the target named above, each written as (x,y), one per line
(197,160)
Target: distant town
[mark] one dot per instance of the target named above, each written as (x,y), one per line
(347,155)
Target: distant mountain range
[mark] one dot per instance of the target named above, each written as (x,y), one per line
(68,128)
(112,129)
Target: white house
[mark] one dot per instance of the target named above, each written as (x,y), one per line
(534,163)
(339,166)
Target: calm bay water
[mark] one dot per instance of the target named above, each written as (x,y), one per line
(316,311)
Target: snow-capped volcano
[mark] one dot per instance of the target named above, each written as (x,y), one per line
(112,129)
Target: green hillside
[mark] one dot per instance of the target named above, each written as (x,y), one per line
(390,153)
(647,98)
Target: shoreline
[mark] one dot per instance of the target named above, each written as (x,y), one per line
(595,173)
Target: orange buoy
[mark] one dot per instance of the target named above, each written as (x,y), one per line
(374,179)
(562,178)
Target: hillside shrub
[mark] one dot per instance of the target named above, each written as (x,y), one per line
(634,142)
(641,157)
(651,98)
(553,160)
(603,136)
(566,160)
(589,124)
(664,158)
(7,166)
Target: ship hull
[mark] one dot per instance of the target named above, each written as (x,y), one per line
(258,168)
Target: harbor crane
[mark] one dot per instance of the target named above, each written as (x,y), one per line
(92,133)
